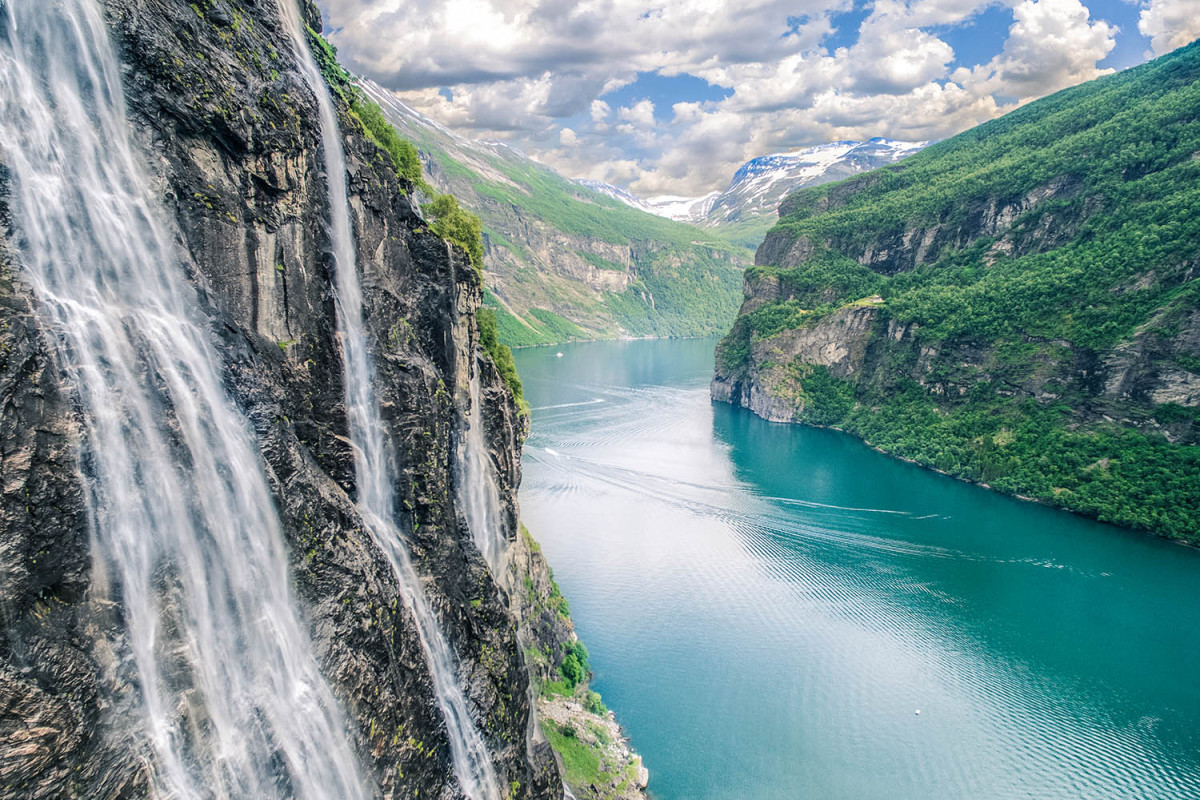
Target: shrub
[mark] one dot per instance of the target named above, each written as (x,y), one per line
(501,356)
(451,221)
(574,667)
(594,704)
(403,152)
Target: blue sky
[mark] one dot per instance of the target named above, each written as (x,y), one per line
(671,96)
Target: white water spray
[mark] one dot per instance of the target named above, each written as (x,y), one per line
(375,471)
(183,520)
(480,494)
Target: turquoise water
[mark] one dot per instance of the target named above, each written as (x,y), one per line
(768,606)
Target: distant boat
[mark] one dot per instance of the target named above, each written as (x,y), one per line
(559,355)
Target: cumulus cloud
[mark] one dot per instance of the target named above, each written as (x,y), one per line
(892,56)
(1052,44)
(539,73)
(1170,24)
(640,114)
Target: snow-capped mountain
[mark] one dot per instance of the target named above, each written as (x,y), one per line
(615,192)
(761,183)
(686,209)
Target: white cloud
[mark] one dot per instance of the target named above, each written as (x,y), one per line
(535,71)
(411,44)
(893,57)
(641,114)
(600,110)
(1170,24)
(1052,44)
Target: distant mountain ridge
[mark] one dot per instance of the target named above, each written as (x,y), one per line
(747,206)
(565,262)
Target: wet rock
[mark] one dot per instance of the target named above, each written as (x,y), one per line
(232,140)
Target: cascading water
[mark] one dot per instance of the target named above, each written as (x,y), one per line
(481,495)
(184,527)
(375,471)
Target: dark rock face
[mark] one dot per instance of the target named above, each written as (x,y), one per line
(232,140)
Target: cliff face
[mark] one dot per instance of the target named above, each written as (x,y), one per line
(231,136)
(1017,306)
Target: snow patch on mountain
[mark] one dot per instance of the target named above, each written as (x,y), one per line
(761,183)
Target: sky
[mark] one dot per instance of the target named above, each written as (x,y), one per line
(670,97)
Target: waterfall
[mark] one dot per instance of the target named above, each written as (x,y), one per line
(375,470)
(184,530)
(480,494)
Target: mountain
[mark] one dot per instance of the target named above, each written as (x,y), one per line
(1017,306)
(683,209)
(745,210)
(566,262)
(208,587)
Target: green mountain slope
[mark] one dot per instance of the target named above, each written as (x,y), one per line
(1018,305)
(564,262)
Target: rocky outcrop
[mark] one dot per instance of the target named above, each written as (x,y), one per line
(841,343)
(571,718)
(231,137)
(1025,222)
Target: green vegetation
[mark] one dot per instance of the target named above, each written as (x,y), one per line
(1121,152)
(1106,471)
(682,280)
(501,356)
(560,329)
(580,760)
(367,113)
(451,221)
(574,667)
(1007,321)
(403,152)
(594,703)
(600,263)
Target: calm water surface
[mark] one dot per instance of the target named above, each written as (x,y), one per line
(768,606)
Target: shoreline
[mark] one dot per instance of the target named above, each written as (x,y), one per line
(963,479)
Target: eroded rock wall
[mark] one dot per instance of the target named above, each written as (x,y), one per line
(231,136)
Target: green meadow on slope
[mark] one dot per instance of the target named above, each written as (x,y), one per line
(1017,305)
(564,262)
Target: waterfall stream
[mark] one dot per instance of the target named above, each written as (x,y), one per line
(480,493)
(184,530)
(375,470)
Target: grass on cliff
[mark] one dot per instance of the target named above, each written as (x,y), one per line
(581,761)
(449,219)
(403,153)
(501,356)
(453,222)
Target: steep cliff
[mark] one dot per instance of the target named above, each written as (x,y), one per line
(1018,305)
(230,135)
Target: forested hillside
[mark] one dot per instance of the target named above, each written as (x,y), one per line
(1018,305)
